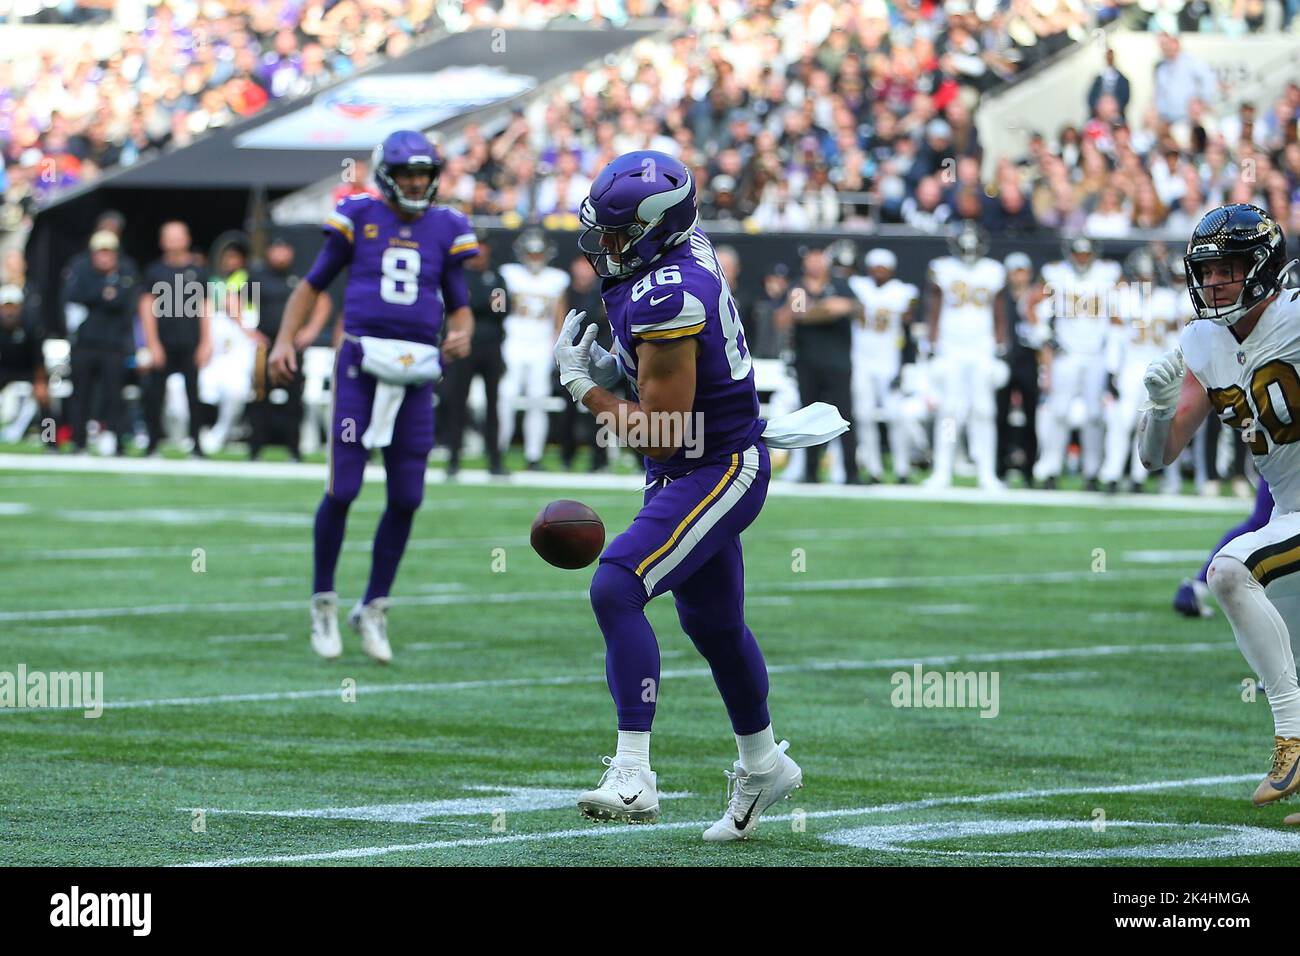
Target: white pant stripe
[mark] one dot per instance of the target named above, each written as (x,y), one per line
(740,484)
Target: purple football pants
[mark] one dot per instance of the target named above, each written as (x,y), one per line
(1258,518)
(404,462)
(686,539)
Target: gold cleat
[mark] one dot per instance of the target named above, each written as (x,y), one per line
(1284,779)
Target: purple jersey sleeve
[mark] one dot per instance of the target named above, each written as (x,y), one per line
(334,255)
(454,293)
(462,243)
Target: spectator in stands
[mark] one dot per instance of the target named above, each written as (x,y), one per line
(99,302)
(173,309)
(1109,220)
(1010,214)
(1183,218)
(777,211)
(1109,82)
(1148,211)
(1179,78)
(926,211)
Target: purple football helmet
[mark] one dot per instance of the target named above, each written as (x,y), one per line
(641,205)
(406,149)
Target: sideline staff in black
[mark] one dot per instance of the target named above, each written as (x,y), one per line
(272,283)
(174,319)
(822,309)
(99,303)
(490,303)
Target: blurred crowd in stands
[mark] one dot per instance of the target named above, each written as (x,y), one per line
(795,114)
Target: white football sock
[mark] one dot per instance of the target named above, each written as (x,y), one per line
(1263,639)
(757,751)
(634,745)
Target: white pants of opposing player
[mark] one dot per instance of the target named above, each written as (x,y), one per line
(875,402)
(17,409)
(1074,376)
(1262,603)
(526,383)
(1122,417)
(966,384)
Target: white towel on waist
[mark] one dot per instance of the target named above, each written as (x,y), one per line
(813,424)
(396,364)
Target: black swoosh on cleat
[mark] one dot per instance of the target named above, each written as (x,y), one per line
(628,801)
(744,821)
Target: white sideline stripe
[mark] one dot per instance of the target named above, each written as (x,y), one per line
(901,532)
(515,597)
(247,638)
(777,489)
(604,831)
(1166,557)
(1099,650)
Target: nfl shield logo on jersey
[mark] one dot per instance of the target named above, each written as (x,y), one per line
(1241,357)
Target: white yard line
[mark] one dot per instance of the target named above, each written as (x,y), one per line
(596,831)
(516,597)
(1046,654)
(631,483)
(896,532)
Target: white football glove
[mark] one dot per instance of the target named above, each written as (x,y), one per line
(574,359)
(1164,383)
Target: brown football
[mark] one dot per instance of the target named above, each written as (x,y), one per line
(568,534)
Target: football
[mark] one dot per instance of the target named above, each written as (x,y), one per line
(568,534)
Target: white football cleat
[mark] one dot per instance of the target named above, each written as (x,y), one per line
(626,792)
(371,622)
(325,639)
(753,793)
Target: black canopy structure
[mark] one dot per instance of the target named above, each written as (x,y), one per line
(215,183)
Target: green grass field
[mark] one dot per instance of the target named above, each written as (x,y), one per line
(1121,735)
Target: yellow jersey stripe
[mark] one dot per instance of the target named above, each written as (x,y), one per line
(463,247)
(341,228)
(672,333)
(672,540)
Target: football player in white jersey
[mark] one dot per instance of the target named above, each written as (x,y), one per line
(1076,297)
(1240,360)
(887,306)
(537,306)
(1148,326)
(968,330)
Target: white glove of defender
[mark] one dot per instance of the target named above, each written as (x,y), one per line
(1164,382)
(574,359)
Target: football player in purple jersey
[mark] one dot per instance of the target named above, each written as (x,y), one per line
(679,344)
(405,302)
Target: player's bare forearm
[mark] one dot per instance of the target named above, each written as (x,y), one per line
(283,361)
(1000,319)
(1162,439)
(460,329)
(302,301)
(320,316)
(626,419)
(666,384)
